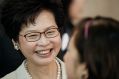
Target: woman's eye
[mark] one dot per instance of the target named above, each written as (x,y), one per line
(50,32)
(32,36)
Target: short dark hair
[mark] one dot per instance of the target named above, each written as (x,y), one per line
(100,49)
(15,13)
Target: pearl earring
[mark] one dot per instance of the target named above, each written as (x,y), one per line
(16,46)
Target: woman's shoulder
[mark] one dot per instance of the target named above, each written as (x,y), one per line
(11,75)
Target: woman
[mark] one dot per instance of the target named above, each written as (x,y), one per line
(33,26)
(95,47)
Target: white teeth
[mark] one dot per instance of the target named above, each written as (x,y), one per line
(43,51)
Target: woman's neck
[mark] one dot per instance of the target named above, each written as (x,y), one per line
(48,71)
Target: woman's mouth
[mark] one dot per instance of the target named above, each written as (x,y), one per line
(44,53)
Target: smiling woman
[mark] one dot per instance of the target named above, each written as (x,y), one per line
(33,28)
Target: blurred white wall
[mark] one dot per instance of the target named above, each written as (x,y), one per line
(102,7)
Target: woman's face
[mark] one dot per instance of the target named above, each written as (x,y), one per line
(75,69)
(71,59)
(44,50)
(76,9)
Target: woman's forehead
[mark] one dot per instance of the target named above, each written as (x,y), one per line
(44,20)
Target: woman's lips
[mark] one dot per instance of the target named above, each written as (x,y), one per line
(44,53)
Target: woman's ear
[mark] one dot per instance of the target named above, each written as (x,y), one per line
(16,45)
(82,71)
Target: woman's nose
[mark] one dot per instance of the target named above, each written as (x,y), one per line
(43,41)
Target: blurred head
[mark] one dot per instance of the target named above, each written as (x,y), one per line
(96,43)
(76,69)
(34,25)
(73,9)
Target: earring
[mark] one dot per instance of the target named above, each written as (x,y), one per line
(16,46)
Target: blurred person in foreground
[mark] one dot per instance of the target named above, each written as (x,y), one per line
(94,47)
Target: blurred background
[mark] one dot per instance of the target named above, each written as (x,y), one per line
(102,7)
